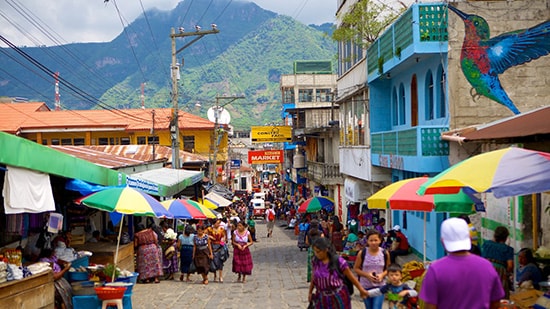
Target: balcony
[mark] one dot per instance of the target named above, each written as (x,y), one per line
(418,149)
(420,31)
(324,173)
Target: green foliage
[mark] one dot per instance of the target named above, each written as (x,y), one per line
(364,22)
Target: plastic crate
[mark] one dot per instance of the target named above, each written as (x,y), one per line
(78,276)
(131,279)
(81,261)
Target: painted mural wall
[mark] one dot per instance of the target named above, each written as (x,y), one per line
(492,77)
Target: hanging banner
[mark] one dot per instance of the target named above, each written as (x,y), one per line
(265,156)
(274,134)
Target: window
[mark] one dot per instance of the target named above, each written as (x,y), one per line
(103,141)
(288,95)
(189,143)
(125,141)
(402,102)
(153,140)
(78,142)
(66,141)
(394,120)
(323,95)
(44,141)
(441,102)
(141,140)
(429,95)
(305,95)
(55,141)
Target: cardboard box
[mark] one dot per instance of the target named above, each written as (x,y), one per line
(526,299)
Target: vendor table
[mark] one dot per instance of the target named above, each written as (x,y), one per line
(36,291)
(104,253)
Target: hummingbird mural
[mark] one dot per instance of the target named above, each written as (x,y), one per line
(483,58)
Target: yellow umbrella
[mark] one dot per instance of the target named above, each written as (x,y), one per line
(207,212)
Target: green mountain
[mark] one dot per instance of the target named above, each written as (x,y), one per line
(253,48)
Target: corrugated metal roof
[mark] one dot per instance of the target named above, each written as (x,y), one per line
(526,124)
(117,156)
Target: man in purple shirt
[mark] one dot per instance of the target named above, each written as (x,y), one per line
(460,280)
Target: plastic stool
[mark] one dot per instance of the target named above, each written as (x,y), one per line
(112,302)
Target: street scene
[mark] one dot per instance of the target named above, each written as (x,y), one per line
(327,154)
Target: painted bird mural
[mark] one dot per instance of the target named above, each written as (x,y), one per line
(483,58)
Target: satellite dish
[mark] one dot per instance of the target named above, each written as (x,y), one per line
(219,113)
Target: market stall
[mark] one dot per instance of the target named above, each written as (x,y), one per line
(104,253)
(36,291)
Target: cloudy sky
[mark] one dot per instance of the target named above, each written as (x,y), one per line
(95,21)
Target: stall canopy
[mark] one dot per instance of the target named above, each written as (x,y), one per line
(163,181)
(216,199)
(23,153)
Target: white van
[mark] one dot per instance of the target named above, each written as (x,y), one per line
(259,195)
(259,207)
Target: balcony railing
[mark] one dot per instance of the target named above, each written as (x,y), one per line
(421,29)
(424,141)
(324,173)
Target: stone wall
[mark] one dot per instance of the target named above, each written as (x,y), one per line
(526,84)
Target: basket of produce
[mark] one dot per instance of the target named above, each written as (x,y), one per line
(106,292)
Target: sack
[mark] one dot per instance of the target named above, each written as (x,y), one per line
(224,254)
(270,215)
(192,268)
(169,252)
(213,266)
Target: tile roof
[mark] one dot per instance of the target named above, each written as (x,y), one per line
(17,117)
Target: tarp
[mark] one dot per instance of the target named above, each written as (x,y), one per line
(23,153)
(217,200)
(163,181)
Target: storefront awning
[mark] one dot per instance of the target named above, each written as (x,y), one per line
(163,181)
(23,153)
(217,200)
(355,191)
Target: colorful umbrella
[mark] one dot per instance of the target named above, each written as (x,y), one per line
(183,209)
(506,172)
(127,201)
(402,195)
(316,203)
(203,209)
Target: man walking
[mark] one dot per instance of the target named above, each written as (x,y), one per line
(460,280)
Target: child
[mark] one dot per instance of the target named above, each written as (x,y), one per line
(397,292)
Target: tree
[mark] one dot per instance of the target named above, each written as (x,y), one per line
(365,21)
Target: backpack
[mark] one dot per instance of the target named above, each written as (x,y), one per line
(270,215)
(364,251)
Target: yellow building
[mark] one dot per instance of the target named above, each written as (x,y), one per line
(36,122)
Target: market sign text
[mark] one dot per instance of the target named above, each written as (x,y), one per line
(273,134)
(265,156)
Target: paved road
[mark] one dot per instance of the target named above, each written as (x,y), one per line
(278,280)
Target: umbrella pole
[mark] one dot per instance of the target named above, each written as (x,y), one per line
(424,248)
(117,246)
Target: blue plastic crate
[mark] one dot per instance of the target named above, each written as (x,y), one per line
(82,261)
(132,279)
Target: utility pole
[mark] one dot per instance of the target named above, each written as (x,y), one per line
(175,69)
(218,109)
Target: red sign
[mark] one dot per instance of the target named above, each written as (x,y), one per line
(265,156)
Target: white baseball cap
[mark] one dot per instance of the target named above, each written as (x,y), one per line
(455,235)
(396,228)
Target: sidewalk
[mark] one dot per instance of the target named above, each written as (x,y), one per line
(278,280)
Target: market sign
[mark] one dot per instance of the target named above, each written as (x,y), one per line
(273,134)
(265,156)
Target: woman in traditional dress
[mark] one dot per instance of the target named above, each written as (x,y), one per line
(63,289)
(169,256)
(185,245)
(336,235)
(329,270)
(312,234)
(501,256)
(218,239)
(202,253)
(242,258)
(149,264)
(303,228)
